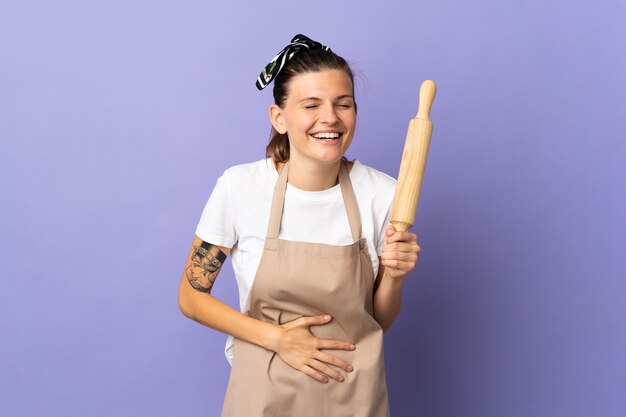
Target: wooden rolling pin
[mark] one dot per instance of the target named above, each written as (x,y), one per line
(413,161)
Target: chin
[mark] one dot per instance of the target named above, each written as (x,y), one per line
(322,157)
(329,161)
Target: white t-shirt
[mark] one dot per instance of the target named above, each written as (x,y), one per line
(237,215)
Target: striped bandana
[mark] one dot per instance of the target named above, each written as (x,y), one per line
(271,70)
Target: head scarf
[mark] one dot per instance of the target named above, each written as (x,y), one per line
(271,70)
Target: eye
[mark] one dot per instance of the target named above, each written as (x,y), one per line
(344,106)
(310,106)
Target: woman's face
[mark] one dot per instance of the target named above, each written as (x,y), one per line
(319,116)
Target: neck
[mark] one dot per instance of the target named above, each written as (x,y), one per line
(311,177)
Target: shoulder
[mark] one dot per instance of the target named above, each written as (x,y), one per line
(250,174)
(365,176)
(374,189)
(247,168)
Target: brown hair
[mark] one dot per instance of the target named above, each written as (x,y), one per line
(312,60)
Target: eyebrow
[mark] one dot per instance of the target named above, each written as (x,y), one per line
(317,98)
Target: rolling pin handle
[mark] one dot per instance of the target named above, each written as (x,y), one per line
(428,89)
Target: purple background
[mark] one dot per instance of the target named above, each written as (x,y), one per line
(117,117)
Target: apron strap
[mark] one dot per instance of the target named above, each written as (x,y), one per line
(278,201)
(349,199)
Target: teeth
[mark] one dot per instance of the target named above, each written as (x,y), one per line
(326,135)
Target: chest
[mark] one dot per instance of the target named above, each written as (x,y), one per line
(314,219)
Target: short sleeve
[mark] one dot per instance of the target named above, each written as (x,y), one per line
(216,222)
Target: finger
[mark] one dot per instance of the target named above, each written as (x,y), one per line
(325,369)
(389,231)
(399,256)
(313,320)
(314,374)
(333,360)
(334,344)
(402,247)
(399,266)
(401,237)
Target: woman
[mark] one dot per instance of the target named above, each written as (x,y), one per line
(303,228)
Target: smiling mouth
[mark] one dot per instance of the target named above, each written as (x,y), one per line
(327,136)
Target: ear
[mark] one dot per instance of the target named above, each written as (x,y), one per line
(277,119)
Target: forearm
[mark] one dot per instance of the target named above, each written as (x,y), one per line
(387,301)
(398,258)
(196,302)
(211,312)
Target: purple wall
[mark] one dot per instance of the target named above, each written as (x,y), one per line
(116,118)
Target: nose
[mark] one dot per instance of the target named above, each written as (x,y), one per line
(328,115)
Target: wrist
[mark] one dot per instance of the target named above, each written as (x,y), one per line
(394,283)
(272,335)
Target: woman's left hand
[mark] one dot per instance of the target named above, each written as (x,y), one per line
(399,252)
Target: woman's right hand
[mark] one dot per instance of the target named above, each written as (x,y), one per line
(302,351)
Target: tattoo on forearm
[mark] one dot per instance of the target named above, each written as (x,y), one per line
(206,262)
